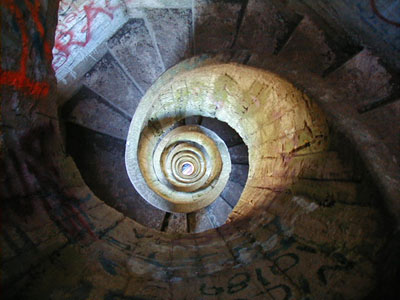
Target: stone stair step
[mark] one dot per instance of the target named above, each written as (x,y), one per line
(194,120)
(99,158)
(215,24)
(239,174)
(218,212)
(199,221)
(382,122)
(363,79)
(308,48)
(175,45)
(263,28)
(232,192)
(239,154)
(177,223)
(107,79)
(223,130)
(133,47)
(90,110)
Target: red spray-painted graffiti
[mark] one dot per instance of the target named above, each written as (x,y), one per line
(68,35)
(19,79)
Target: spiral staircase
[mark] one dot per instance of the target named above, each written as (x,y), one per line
(297,215)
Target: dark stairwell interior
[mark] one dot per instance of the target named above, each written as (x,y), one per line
(317,219)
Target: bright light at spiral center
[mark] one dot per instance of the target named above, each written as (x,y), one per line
(187,169)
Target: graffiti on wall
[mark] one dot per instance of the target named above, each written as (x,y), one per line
(75,26)
(25,13)
(33,180)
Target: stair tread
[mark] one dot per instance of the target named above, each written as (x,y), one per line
(239,154)
(133,46)
(215,24)
(194,120)
(262,28)
(232,192)
(177,223)
(362,78)
(239,174)
(99,158)
(174,45)
(308,48)
(89,110)
(107,79)
(199,221)
(382,121)
(218,212)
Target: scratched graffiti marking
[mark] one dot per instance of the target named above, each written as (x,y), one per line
(22,13)
(33,179)
(240,282)
(391,7)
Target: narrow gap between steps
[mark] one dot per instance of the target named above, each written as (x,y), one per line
(164,225)
(239,21)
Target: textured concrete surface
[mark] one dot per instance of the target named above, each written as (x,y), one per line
(307,46)
(108,80)
(239,174)
(177,223)
(380,120)
(133,46)
(101,159)
(263,28)
(85,108)
(232,192)
(199,221)
(83,26)
(364,79)
(215,25)
(174,45)
(239,154)
(218,212)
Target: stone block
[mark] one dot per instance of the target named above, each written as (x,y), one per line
(218,212)
(177,223)
(175,45)
(262,29)
(89,110)
(101,159)
(133,46)
(107,79)
(215,24)
(308,48)
(232,192)
(239,174)
(363,79)
(239,154)
(198,221)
